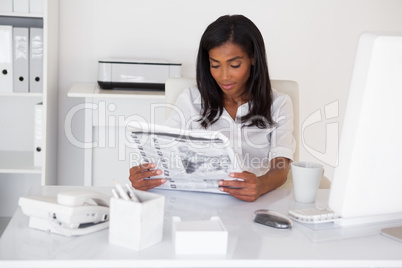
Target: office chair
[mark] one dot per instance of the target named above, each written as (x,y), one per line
(175,86)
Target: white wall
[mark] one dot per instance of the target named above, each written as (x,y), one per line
(310,41)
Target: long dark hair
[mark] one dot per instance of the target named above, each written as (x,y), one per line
(241,31)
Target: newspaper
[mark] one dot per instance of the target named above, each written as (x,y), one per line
(189,160)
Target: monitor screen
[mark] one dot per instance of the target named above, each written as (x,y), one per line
(368,178)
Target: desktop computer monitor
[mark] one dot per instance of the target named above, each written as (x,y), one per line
(368,178)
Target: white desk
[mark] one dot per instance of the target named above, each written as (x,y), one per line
(106,113)
(250,244)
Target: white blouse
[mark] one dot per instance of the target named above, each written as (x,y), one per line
(253,147)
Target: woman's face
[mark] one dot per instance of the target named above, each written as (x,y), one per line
(230,67)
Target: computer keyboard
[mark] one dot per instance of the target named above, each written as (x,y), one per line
(313,215)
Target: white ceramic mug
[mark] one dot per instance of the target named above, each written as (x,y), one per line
(306,179)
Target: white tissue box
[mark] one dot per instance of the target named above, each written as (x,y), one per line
(137,225)
(199,237)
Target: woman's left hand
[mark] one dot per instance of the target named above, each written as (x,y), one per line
(247,187)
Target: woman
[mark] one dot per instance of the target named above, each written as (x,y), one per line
(234,96)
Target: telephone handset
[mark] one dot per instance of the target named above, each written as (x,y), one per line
(81,197)
(73,212)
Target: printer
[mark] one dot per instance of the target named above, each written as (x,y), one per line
(136,74)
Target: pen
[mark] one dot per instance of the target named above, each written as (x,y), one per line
(123,194)
(131,193)
(115,194)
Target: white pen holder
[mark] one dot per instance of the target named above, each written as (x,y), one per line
(137,225)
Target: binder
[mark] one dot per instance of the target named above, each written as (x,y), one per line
(21,6)
(6,5)
(36,6)
(38,135)
(6,58)
(21,59)
(36,60)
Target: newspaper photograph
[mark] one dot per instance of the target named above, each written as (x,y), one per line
(189,160)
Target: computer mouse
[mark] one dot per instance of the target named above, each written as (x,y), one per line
(272,219)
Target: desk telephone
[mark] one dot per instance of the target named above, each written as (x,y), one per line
(71,213)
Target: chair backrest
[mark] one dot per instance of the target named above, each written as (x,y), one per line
(291,88)
(175,86)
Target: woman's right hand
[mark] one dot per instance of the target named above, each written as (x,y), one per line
(138,175)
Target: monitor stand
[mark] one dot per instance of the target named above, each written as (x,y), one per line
(347,222)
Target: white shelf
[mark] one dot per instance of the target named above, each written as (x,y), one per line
(21,94)
(20,14)
(17,170)
(92,90)
(18,162)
